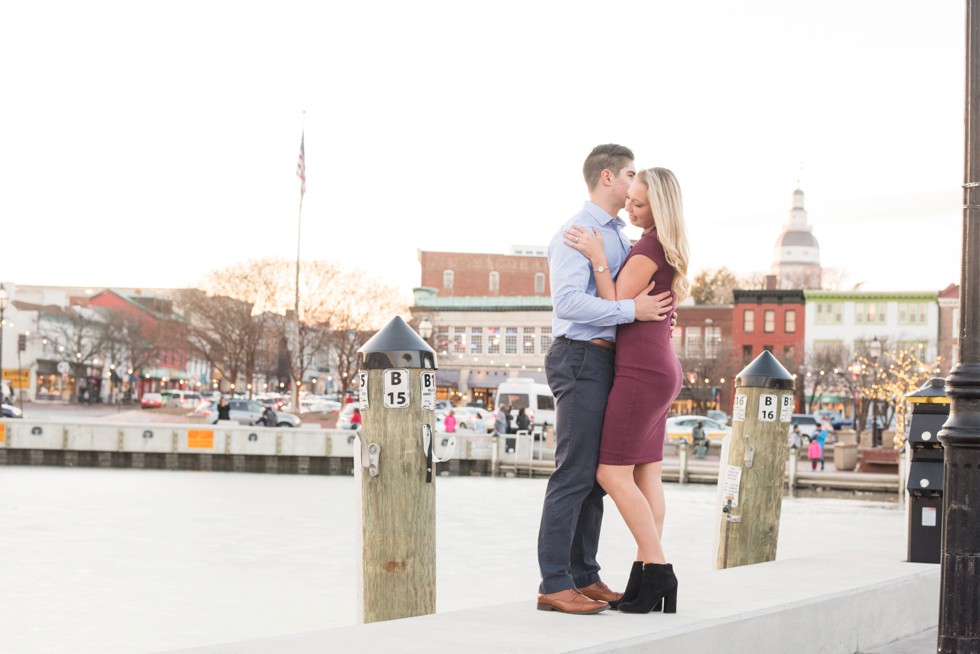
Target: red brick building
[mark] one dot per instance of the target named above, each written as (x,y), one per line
(467,274)
(703,342)
(770,320)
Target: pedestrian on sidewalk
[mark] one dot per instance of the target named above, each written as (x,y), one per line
(700,441)
(822,439)
(815,453)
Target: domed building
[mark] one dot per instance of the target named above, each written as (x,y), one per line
(797,258)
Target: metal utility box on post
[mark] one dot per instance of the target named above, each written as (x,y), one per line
(397,500)
(930,409)
(754,463)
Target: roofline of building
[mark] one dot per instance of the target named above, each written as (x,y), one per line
(812,295)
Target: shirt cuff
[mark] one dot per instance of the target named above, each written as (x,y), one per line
(628,309)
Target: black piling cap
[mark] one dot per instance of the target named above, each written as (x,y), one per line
(934,387)
(396,345)
(765,372)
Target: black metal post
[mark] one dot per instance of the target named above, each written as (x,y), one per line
(959,603)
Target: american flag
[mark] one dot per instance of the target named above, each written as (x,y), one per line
(301,166)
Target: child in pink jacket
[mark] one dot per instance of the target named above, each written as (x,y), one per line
(814,453)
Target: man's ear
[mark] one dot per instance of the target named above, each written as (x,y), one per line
(606,176)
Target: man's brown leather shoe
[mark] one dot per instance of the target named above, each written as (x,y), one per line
(600,591)
(570,601)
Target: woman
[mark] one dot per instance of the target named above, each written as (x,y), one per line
(523,421)
(224,411)
(648,378)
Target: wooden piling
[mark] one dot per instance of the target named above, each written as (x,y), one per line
(752,475)
(397,534)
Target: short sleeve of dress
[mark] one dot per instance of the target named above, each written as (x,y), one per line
(649,246)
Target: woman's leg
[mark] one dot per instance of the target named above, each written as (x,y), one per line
(649,479)
(633,505)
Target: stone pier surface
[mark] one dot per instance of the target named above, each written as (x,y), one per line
(109,560)
(844,602)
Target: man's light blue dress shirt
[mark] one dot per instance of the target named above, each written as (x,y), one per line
(578,313)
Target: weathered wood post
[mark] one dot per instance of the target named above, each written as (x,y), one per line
(397,571)
(682,455)
(754,463)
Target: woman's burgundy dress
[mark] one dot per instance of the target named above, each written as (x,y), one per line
(648,378)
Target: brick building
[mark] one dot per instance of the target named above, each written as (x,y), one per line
(467,274)
(773,320)
(490,316)
(704,344)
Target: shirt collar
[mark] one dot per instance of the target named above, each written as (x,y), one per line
(600,214)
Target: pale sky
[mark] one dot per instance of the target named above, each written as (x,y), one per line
(145,144)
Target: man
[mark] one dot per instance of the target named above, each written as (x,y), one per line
(579,366)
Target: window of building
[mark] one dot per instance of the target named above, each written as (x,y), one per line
(768,348)
(459,340)
(442,338)
(789,356)
(746,353)
(830,313)
(829,348)
(494,280)
(677,338)
(476,340)
(545,339)
(493,340)
(769,321)
(712,341)
(447,278)
(912,313)
(529,340)
(539,282)
(790,321)
(692,342)
(956,323)
(917,348)
(870,313)
(510,341)
(748,321)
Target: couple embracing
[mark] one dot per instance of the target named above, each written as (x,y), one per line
(614,374)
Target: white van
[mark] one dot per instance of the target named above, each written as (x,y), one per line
(534,397)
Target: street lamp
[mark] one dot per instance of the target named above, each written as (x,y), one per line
(874,350)
(425,329)
(4,300)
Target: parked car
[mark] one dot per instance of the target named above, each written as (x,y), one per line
(808,424)
(311,404)
(180,398)
(679,428)
(249,412)
(151,401)
(833,418)
(10,411)
(443,405)
(466,416)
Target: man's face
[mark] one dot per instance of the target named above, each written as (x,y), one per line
(621,184)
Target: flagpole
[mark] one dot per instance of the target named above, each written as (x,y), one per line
(301,173)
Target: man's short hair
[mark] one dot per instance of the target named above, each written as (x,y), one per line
(609,156)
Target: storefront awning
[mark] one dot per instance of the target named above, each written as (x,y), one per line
(447,378)
(486,379)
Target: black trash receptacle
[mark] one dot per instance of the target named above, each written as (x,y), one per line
(930,409)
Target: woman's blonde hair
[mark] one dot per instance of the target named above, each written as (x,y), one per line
(664,194)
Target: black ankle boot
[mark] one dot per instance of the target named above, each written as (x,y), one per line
(659,583)
(632,586)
